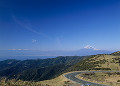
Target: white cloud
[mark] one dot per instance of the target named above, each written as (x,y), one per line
(18,49)
(29,27)
(34,41)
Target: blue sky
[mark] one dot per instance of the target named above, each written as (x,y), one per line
(59,24)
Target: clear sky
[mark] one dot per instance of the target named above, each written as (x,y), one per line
(59,24)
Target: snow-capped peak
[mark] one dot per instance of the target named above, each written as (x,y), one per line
(90,47)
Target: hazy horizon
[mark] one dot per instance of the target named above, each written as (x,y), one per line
(86,50)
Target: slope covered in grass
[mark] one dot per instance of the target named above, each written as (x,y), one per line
(47,70)
(98,62)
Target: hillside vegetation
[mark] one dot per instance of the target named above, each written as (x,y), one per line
(38,70)
(112,79)
(98,62)
(59,81)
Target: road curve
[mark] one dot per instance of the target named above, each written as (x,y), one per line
(73,78)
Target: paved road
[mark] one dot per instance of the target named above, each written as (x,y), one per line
(72,77)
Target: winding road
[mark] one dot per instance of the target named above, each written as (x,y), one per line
(72,77)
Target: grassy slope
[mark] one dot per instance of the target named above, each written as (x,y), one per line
(103,78)
(96,62)
(102,62)
(59,81)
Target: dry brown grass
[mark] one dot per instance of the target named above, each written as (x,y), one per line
(110,62)
(102,78)
(59,81)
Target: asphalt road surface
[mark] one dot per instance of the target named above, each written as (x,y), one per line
(73,78)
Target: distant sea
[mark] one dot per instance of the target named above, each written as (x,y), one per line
(25,57)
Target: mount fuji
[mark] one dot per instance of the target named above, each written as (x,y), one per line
(87,50)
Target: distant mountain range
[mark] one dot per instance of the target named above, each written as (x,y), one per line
(40,69)
(87,50)
(44,69)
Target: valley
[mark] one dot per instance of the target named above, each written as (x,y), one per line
(48,72)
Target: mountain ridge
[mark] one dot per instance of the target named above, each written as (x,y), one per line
(19,69)
(40,70)
(53,67)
